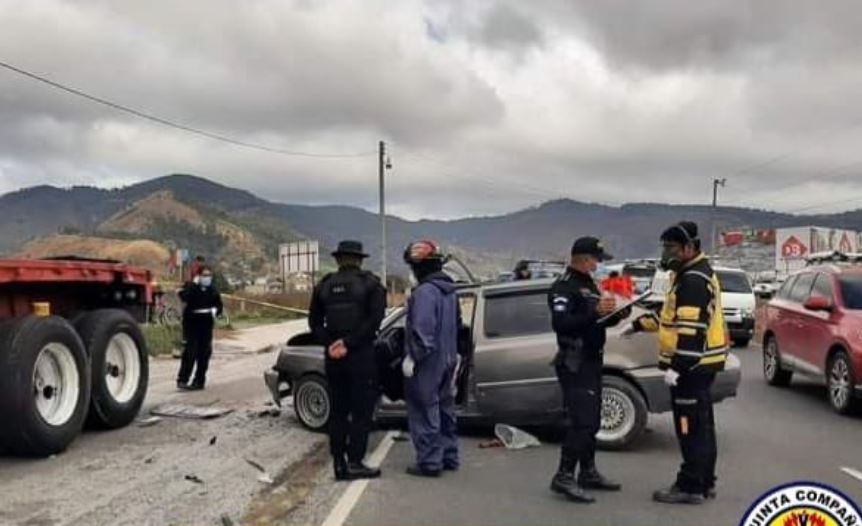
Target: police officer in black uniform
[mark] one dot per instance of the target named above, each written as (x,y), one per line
(202,305)
(346,310)
(576,307)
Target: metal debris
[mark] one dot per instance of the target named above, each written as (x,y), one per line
(190,411)
(194,478)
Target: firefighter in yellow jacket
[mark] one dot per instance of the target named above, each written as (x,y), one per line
(692,349)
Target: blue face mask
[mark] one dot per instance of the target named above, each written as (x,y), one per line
(206,281)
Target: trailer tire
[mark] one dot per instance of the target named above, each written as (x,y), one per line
(44,385)
(119,366)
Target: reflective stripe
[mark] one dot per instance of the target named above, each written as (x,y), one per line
(692,324)
(686,331)
(710,360)
(685,401)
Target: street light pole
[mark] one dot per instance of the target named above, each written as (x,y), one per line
(381,166)
(715,184)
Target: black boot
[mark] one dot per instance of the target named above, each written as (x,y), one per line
(358,470)
(564,482)
(674,495)
(590,478)
(339,466)
(709,494)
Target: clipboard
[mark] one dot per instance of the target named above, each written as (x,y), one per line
(630,304)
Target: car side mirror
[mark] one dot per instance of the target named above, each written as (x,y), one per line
(818,303)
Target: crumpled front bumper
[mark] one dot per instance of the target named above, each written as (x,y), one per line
(278,388)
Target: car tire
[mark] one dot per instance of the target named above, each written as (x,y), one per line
(840,384)
(772,371)
(44,385)
(741,343)
(311,402)
(119,366)
(624,414)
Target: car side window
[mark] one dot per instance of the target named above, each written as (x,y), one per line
(517,314)
(802,288)
(823,287)
(784,291)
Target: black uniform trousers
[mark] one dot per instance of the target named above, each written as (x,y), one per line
(582,400)
(353,390)
(198,348)
(694,421)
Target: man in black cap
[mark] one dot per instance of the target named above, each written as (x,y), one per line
(576,307)
(346,309)
(692,349)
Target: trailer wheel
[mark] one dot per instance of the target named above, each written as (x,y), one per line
(44,385)
(119,366)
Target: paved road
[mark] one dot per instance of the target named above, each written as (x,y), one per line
(768,437)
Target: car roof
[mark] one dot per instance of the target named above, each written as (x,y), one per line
(834,269)
(516,286)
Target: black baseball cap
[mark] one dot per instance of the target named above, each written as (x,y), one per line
(590,246)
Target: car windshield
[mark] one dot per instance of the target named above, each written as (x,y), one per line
(851,291)
(734,282)
(639,272)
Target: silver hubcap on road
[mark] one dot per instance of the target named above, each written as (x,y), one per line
(55,384)
(839,383)
(618,415)
(312,402)
(770,360)
(122,367)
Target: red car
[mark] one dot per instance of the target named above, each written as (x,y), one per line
(814,328)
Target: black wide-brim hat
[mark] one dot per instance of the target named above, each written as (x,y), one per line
(350,248)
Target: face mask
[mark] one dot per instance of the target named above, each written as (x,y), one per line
(206,281)
(670,259)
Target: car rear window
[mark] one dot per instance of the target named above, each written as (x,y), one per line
(519,314)
(801,288)
(784,291)
(734,282)
(639,272)
(851,291)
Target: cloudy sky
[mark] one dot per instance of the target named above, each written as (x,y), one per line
(487,106)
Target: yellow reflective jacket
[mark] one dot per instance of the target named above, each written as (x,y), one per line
(692,335)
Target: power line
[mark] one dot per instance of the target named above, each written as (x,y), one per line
(179,126)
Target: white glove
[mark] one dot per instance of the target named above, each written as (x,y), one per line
(407,366)
(671,378)
(215,312)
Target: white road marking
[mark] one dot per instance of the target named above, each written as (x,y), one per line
(351,496)
(855,473)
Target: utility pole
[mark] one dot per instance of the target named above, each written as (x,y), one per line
(381,166)
(715,184)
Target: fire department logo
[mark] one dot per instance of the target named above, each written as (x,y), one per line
(803,504)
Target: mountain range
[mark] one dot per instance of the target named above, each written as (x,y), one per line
(233,225)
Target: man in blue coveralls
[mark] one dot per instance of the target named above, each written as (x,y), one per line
(431,360)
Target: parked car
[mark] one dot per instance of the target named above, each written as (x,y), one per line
(510,379)
(766,285)
(737,300)
(814,328)
(641,272)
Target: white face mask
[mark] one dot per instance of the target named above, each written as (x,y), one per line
(206,281)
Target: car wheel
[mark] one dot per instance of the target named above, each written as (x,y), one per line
(772,371)
(311,402)
(841,382)
(624,414)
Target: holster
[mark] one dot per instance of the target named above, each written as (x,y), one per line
(570,354)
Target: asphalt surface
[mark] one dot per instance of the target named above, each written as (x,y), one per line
(767,437)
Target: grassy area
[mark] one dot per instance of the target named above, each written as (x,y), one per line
(162,339)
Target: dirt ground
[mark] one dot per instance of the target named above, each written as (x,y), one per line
(178,471)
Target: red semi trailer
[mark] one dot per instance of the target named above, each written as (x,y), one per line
(71,350)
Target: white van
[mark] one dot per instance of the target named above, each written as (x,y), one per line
(737,300)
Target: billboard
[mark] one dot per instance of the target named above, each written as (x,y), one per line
(794,245)
(297,257)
